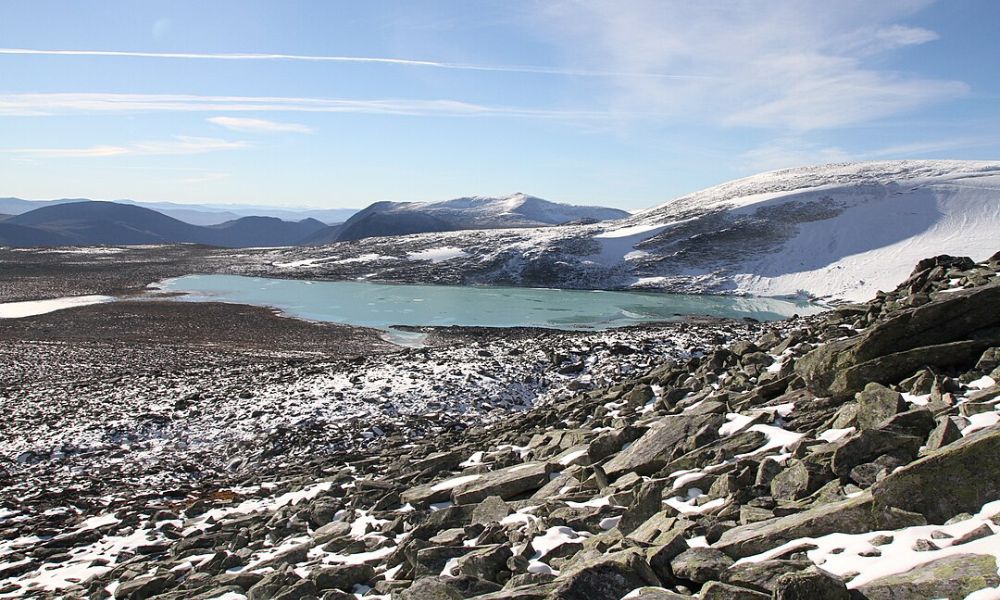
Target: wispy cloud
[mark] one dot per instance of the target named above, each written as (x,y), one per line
(258,125)
(782,64)
(179,145)
(370,60)
(80,103)
(793,151)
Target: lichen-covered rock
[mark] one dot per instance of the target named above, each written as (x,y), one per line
(958,478)
(810,584)
(950,577)
(700,565)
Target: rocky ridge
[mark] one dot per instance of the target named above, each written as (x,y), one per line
(849,455)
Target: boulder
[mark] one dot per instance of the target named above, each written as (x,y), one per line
(798,480)
(810,584)
(491,510)
(955,479)
(431,588)
(145,587)
(505,483)
(950,577)
(715,590)
(341,577)
(855,515)
(667,438)
(762,576)
(877,403)
(893,367)
(867,445)
(606,577)
(700,565)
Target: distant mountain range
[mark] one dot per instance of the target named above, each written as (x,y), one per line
(97,223)
(84,223)
(841,231)
(196,214)
(477,212)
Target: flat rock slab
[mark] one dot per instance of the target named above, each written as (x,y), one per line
(855,515)
(949,577)
(665,440)
(961,477)
(505,483)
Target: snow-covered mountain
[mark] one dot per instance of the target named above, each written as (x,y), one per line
(839,231)
(476,212)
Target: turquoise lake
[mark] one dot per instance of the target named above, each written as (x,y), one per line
(385,305)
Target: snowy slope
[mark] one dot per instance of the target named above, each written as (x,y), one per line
(840,231)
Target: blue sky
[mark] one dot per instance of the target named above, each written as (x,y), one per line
(624,103)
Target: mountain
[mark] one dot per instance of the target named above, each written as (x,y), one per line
(476,212)
(196,214)
(838,231)
(96,223)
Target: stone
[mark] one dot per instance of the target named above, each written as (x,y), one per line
(762,576)
(485,563)
(976,534)
(491,510)
(715,590)
(647,503)
(950,577)
(917,422)
(798,480)
(810,584)
(700,565)
(341,577)
(860,514)
(718,451)
(867,445)
(665,439)
(943,434)
(141,588)
(609,576)
(877,403)
(949,481)
(668,547)
(506,483)
(935,324)
(430,588)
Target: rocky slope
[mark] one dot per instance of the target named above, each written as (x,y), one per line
(473,213)
(839,231)
(849,455)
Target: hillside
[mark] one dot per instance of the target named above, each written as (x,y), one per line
(473,213)
(840,231)
(108,223)
(847,455)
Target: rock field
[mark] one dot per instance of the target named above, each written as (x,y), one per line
(854,454)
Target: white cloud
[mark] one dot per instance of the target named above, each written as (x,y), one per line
(258,125)
(370,60)
(789,152)
(179,145)
(781,64)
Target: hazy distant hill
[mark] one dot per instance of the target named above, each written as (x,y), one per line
(476,212)
(95,223)
(197,214)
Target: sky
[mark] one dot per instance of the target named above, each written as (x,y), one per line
(625,103)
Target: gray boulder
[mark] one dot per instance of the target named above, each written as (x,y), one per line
(505,483)
(700,565)
(955,479)
(810,584)
(667,438)
(715,590)
(949,577)
(877,403)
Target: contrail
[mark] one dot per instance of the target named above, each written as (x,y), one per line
(540,70)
